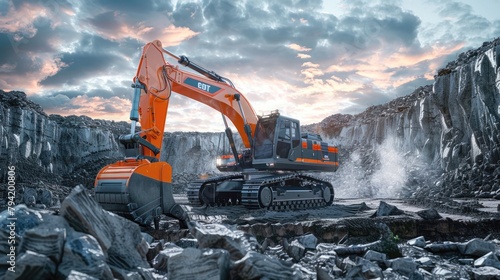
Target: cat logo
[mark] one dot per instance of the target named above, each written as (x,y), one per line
(200,85)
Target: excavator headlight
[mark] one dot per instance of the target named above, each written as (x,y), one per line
(218,162)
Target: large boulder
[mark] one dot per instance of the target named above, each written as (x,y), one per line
(120,239)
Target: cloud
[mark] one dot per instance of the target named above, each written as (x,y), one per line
(282,55)
(80,66)
(298,48)
(113,108)
(114,26)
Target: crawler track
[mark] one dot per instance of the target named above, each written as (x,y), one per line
(200,191)
(275,192)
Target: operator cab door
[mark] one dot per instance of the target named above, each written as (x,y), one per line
(288,138)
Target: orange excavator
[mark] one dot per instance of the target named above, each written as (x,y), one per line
(272,171)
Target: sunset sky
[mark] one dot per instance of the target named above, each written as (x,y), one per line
(309,59)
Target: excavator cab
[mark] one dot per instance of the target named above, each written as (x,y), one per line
(279,145)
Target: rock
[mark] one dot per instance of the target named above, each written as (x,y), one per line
(404,266)
(29,197)
(385,209)
(26,219)
(203,264)
(441,248)
(326,247)
(216,236)
(47,197)
(478,247)
(489,259)
(420,274)
(486,273)
(160,261)
(386,244)
(147,237)
(309,241)
(154,249)
(44,241)
(466,261)
(296,250)
(187,242)
(82,253)
(419,242)
(31,265)
(429,214)
(440,272)
(118,237)
(322,274)
(375,256)
(257,266)
(76,275)
(139,274)
(364,269)
(425,262)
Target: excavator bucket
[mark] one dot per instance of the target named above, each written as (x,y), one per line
(139,190)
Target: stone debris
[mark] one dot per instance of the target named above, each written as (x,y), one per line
(32,265)
(84,238)
(160,261)
(489,259)
(418,241)
(486,273)
(258,266)
(236,242)
(385,209)
(86,242)
(477,247)
(429,214)
(192,263)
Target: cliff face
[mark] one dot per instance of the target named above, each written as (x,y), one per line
(457,121)
(195,152)
(440,141)
(39,144)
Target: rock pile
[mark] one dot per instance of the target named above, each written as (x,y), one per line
(85,242)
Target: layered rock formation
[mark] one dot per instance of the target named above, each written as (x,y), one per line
(38,144)
(195,152)
(453,126)
(455,121)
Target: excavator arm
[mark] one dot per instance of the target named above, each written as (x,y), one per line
(157,79)
(139,187)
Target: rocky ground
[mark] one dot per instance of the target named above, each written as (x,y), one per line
(352,239)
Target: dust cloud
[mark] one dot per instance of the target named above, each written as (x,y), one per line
(378,171)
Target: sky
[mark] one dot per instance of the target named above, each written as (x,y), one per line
(308,59)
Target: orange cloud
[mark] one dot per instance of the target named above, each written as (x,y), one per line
(145,31)
(303,56)
(379,67)
(114,108)
(297,47)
